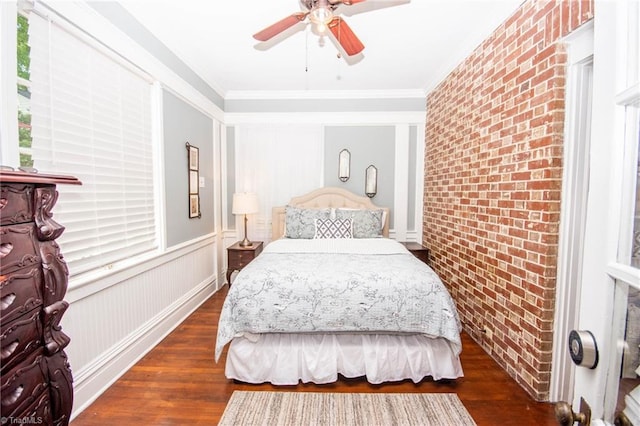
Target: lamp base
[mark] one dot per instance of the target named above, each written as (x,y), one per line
(245,242)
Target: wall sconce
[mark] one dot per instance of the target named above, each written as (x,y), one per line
(371,181)
(344,164)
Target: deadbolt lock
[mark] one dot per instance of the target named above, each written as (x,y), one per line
(583,348)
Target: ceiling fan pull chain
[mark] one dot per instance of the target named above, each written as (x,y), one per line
(306,50)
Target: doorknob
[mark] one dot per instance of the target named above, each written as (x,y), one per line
(622,420)
(566,416)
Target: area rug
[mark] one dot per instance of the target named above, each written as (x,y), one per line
(315,408)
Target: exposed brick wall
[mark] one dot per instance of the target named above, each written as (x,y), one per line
(493,159)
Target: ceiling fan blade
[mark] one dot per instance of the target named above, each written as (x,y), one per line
(347,39)
(347,2)
(280,26)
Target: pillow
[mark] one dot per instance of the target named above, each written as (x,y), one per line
(301,223)
(366,223)
(333,228)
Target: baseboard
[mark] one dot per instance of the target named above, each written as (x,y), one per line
(93,380)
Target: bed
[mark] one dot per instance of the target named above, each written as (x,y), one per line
(333,295)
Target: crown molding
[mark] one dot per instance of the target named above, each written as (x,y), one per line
(324,94)
(328,118)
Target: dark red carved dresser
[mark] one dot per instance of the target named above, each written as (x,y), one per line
(36,375)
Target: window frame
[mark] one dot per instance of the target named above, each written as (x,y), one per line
(96,26)
(9,126)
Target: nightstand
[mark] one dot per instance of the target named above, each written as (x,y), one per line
(418,250)
(238,257)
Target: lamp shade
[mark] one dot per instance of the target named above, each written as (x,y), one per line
(245,203)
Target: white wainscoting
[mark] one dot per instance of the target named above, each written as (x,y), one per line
(113,322)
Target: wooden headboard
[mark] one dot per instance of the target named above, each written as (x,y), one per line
(325,198)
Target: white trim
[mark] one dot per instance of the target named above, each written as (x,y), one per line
(420,176)
(323,94)
(322,149)
(224,170)
(9,155)
(92,380)
(573,211)
(217,182)
(626,273)
(630,96)
(85,285)
(598,295)
(157,142)
(623,141)
(410,236)
(401,181)
(327,118)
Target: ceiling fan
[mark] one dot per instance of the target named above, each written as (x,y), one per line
(322,14)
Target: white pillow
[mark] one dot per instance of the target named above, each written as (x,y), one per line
(333,228)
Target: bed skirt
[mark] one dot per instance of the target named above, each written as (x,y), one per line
(286,359)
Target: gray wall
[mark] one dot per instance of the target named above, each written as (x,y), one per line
(183,123)
(368,145)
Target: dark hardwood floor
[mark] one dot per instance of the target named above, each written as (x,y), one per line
(178,383)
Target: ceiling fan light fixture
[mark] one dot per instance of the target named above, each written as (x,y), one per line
(321,16)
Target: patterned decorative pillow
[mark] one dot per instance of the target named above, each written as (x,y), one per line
(366,223)
(301,223)
(333,228)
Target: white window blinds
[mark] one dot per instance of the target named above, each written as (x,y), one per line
(91,118)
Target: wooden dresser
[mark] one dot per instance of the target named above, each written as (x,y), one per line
(36,376)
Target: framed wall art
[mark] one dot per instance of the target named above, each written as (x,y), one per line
(194,180)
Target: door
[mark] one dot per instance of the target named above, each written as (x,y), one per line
(608,291)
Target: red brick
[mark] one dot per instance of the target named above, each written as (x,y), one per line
(492,189)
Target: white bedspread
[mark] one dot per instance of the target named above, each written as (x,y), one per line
(337,285)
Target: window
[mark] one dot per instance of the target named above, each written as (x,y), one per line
(24,93)
(91,118)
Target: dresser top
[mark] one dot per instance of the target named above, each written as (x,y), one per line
(8,176)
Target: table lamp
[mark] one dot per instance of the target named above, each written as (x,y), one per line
(245,203)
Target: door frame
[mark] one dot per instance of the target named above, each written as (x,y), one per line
(575,185)
(595,296)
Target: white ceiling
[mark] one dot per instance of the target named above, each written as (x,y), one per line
(410,45)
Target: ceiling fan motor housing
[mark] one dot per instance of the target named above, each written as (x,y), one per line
(319,4)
